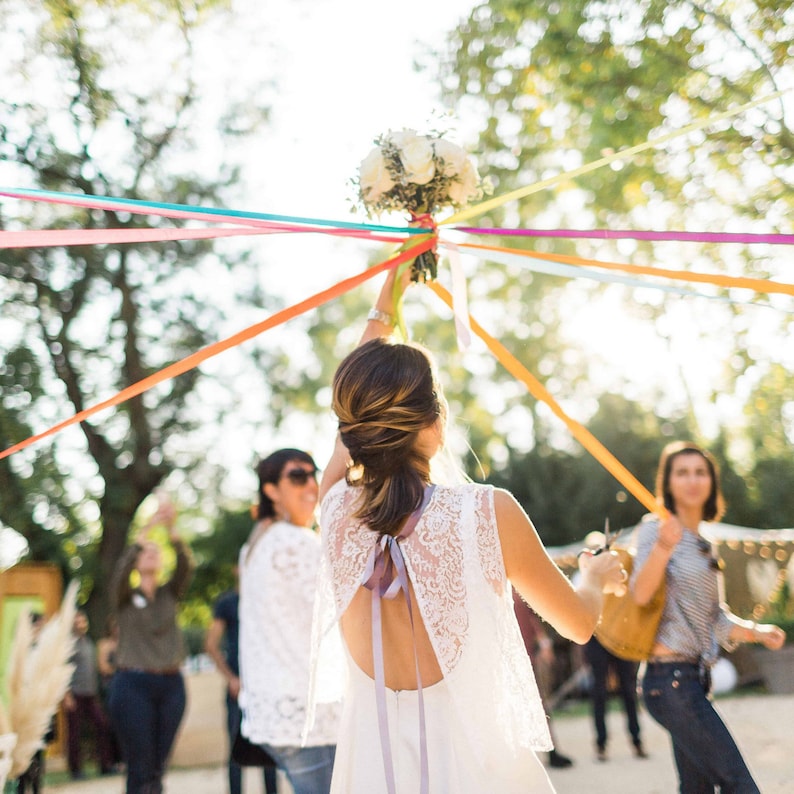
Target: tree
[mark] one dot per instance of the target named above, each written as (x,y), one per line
(550,86)
(86,322)
(568,493)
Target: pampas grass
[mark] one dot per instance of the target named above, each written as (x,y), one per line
(38,675)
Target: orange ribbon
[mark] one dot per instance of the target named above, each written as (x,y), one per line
(193,360)
(741,282)
(539,391)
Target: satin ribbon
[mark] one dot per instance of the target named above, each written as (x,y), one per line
(536,265)
(194,359)
(743,282)
(623,154)
(745,238)
(385,575)
(539,392)
(52,238)
(189,211)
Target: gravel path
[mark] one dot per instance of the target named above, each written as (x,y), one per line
(761,725)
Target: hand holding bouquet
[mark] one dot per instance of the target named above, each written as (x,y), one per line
(418,174)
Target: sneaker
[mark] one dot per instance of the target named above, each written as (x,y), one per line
(559,761)
(639,750)
(601,753)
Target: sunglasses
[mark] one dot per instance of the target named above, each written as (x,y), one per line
(300,476)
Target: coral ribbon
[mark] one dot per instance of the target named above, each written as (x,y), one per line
(742,282)
(544,265)
(539,391)
(193,360)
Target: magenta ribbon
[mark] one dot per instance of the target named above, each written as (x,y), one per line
(385,575)
(611,234)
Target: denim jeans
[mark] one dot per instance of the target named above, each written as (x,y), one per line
(706,755)
(235,770)
(146,709)
(308,769)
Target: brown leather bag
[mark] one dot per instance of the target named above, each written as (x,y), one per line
(627,629)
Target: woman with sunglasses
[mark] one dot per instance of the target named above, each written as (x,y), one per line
(438,688)
(278,567)
(694,622)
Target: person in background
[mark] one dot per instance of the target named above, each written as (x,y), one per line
(148,698)
(416,579)
(694,623)
(541,653)
(278,572)
(82,703)
(601,661)
(222,646)
(106,648)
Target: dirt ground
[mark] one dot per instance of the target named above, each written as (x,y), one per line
(761,725)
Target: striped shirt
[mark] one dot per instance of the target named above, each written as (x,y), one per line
(695,622)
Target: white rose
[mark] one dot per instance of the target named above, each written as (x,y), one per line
(401,137)
(453,157)
(373,177)
(464,187)
(416,154)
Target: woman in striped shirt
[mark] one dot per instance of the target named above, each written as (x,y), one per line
(694,623)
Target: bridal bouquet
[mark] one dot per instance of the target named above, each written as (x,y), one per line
(420,175)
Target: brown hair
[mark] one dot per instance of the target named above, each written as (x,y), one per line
(269,469)
(714,508)
(383,395)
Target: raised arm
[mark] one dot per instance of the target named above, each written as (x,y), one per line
(573,611)
(380,323)
(651,565)
(120,590)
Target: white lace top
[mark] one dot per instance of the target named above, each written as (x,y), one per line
(454,561)
(277,584)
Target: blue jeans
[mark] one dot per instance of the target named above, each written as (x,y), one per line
(308,769)
(235,770)
(706,755)
(146,709)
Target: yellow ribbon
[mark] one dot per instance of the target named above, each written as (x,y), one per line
(497,201)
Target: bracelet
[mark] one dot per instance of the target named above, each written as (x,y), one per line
(381,317)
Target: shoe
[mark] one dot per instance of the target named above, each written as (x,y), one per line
(639,750)
(558,760)
(601,753)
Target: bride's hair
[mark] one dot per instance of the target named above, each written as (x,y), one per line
(383,395)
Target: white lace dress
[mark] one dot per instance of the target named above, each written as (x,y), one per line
(277,585)
(484,719)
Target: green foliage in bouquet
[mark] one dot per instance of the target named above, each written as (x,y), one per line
(419,175)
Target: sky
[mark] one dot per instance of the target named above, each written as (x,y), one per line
(337,73)
(343,74)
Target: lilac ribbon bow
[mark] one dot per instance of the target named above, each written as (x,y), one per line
(385,575)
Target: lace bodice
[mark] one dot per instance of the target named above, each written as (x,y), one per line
(277,582)
(455,564)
